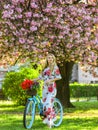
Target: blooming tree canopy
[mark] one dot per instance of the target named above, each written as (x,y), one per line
(64,27)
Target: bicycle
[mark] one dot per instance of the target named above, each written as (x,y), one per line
(30,111)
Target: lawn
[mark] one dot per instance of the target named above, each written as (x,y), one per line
(83,117)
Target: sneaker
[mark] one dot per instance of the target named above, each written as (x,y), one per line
(42,115)
(54,119)
(50,124)
(45,121)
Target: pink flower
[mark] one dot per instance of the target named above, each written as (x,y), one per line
(19,10)
(6,6)
(0,33)
(28,14)
(49,5)
(30,41)
(27,21)
(22,1)
(33,23)
(57,72)
(33,5)
(15,2)
(50,89)
(19,16)
(6,14)
(47,10)
(47,72)
(21,40)
(36,15)
(33,28)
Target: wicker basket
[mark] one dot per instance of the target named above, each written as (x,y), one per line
(31,92)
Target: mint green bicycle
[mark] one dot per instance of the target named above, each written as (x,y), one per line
(30,111)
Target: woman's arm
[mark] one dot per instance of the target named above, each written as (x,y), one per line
(37,79)
(52,80)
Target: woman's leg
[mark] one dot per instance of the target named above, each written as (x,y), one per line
(48,107)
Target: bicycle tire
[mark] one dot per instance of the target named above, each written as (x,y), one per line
(57,106)
(29,114)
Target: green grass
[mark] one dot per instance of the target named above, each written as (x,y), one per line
(83,117)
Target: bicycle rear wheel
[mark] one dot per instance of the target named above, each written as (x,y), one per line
(57,106)
(29,114)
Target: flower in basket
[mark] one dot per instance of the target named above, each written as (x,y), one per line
(28,84)
(35,85)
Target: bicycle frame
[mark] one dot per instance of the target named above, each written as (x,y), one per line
(37,101)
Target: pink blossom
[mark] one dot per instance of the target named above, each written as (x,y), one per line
(33,5)
(47,10)
(45,19)
(15,2)
(60,37)
(22,29)
(61,1)
(22,1)
(96,40)
(19,10)
(21,40)
(49,5)
(6,14)
(96,20)
(33,23)
(69,1)
(68,27)
(33,28)
(30,41)
(11,11)
(27,21)
(19,16)
(36,15)
(52,37)
(28,14)
(6,6)
(0,33)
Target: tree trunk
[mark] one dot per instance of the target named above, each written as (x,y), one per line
(63,89)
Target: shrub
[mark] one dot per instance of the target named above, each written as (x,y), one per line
(11,85)
(83,90)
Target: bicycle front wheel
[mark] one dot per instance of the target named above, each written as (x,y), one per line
(57,106)
(29,114)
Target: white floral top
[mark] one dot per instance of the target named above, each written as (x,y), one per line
(47,74)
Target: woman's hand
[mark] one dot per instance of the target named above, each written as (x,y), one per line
(37,79)
(47,82)
(51,80)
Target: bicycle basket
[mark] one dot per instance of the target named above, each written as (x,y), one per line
(31,92)
(30,86)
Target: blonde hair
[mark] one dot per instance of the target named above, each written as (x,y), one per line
(54,61)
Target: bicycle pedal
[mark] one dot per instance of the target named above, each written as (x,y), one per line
(42,115)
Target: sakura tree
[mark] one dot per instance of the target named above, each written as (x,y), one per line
(66,28)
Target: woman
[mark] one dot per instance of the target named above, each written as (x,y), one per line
(50,74)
